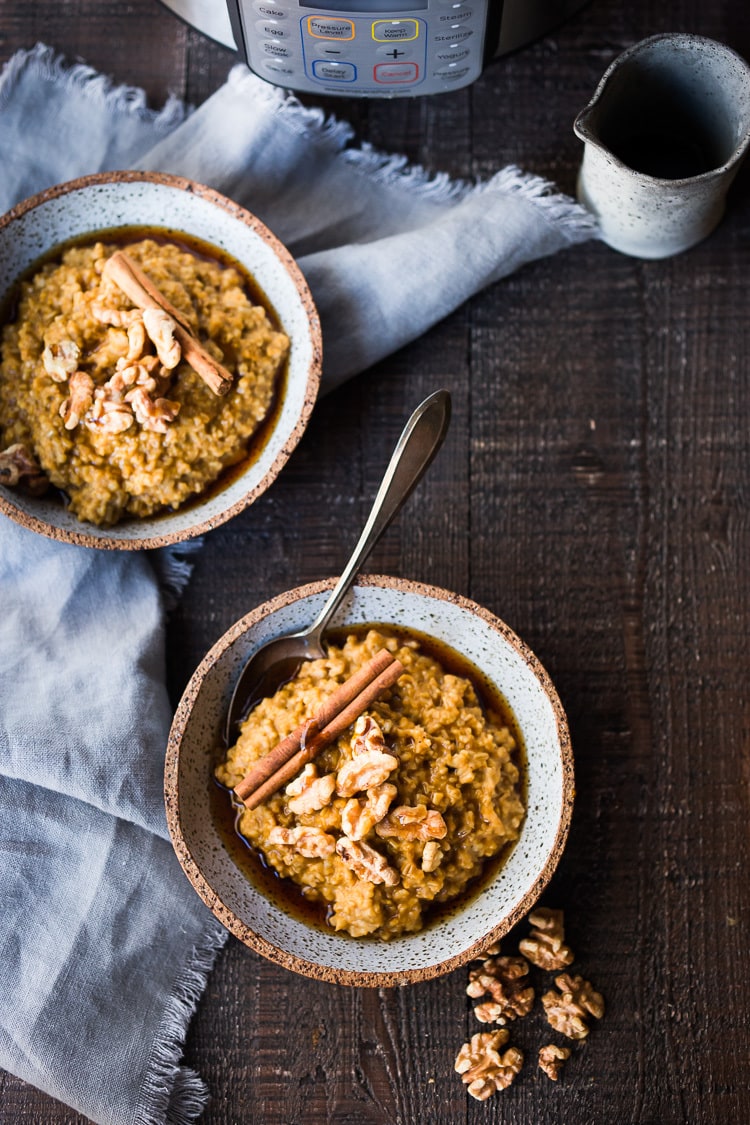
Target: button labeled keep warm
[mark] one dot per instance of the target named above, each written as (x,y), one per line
(386,31)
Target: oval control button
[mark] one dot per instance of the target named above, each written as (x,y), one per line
(453,52)
(454,34)
(458,16)
(452,73)
(334,71)
(276,50)
(269,10)
(273,29)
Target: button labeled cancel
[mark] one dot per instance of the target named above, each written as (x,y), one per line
(395,73)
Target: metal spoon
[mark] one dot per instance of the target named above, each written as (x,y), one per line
(278,660)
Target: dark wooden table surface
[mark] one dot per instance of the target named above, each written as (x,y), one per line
(594,493)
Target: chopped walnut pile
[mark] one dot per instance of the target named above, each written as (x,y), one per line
(483,1068)
(568,1009)
(545,944)
(17,466)
(135,391)
(551,1058)
(505,980)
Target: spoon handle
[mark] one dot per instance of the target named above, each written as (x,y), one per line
(420,440)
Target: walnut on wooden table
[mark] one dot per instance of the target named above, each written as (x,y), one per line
(551,1058)
(567,1010)
(505,980)
(545,946)
(483,1068)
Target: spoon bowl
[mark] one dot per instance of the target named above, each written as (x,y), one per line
(277,661)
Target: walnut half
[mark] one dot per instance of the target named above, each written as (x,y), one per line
(568,1009)
(483,1068)
(545,945)
(551,1058)
(505,980)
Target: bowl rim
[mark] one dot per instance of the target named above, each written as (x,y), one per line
(110,540)
(294,961)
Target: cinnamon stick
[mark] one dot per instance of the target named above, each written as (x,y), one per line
(338,712)
(140,289)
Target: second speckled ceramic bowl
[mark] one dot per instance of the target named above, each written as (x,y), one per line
(111,200)
(263,924)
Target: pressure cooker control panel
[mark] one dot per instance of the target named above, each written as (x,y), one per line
(364,47)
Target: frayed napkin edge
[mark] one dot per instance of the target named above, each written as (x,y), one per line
(395,169)
(173,1094)
(54,67)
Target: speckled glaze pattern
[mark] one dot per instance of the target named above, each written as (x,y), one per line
(643,215)
(264,925)
(118,199)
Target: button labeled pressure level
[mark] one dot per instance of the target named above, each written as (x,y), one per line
(325,27)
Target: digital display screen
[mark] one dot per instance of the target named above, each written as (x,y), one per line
(361,7)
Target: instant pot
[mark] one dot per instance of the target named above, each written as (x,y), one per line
(372,48)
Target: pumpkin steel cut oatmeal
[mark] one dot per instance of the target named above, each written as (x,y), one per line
(398,815)
(129,406)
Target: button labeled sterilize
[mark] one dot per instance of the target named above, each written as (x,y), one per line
(324,27)
(386,31)
(334,71)
(395,73)
(452,34)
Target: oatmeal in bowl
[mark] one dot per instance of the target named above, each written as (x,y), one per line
(402,828)
(160,359)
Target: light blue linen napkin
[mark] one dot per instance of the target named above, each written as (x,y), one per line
(104,946)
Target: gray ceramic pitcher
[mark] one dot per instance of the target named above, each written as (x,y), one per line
(664,136)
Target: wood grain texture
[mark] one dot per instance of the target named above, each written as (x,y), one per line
(593,492)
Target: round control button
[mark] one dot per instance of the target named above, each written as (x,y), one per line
(328,50)
(451,53)
(278,67)
(273,29)
(276,50)
(395,52)
(453,34)
(269,9)
(452,72)
(460,15)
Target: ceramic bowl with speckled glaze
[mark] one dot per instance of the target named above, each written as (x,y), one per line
(105,202)
(263,922)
